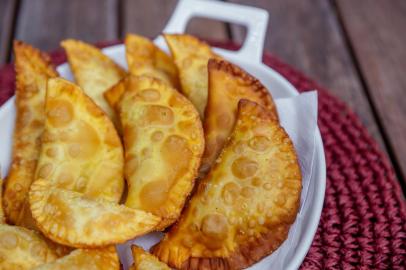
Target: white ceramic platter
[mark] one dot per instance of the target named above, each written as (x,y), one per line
(250,58)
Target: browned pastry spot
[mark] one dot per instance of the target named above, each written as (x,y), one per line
(242,210)
(145,58)
(163,141)
(33,69)
(191,56)
(227,85)
(93,71)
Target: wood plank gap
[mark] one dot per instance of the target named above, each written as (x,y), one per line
(11,32)
(364,86)
(120,19)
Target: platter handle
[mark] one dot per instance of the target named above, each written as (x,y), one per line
(254,19)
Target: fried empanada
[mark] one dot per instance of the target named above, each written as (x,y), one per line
(191,57)
(89,259)
(73,219)
(243,209)
(145,261)
(227,85)
(21,248)
(81,150)
(33,68)
(93,71)
(145,58)
(164,142)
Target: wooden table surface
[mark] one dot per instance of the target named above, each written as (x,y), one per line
(357,49)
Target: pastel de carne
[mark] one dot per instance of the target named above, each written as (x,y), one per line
(243,209)
(228,84)
(163,141)
(185,143)
(74,199)
(146,58)
(93,71)
(191,56)
(33,69)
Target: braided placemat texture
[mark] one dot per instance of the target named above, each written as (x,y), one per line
(363,224)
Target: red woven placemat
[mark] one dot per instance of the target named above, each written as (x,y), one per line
(363,224)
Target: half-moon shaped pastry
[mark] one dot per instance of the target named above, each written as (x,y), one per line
(81,150)
(94,259)
(80,175)
(73,219)
(146,261)
(243,209)
(145,58)
(93,71)
(227,85)
(33,68)
(164,142)
(191,57)
(21,248)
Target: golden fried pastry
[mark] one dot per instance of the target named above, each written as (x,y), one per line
(89,259)
(24,249)
(81,150)
(33,68)
(191,56)
(243,209)
(2,217)
(145,58)
(164,142)
(93,71)
(73,219)
(114,94)
(21,248)
(227,85)
(80,175)
(146,261)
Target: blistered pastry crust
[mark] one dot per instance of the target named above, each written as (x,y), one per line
(21,248)
(93,71)
(71,218)
(33,68)
(145,58)
(90,259)
(164,142)
(227,85)
(243,209)
(191,56)
(146,261)
(81,150)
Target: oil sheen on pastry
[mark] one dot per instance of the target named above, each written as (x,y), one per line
(21,248)
(143,260)
(227,85)
(73,219)
(191,57)
(89,259)
(81,150)
(163,141)
(33,68)
(243,209)
(93,71)
(145,58)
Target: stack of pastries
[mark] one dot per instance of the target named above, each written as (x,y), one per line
(188,144)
